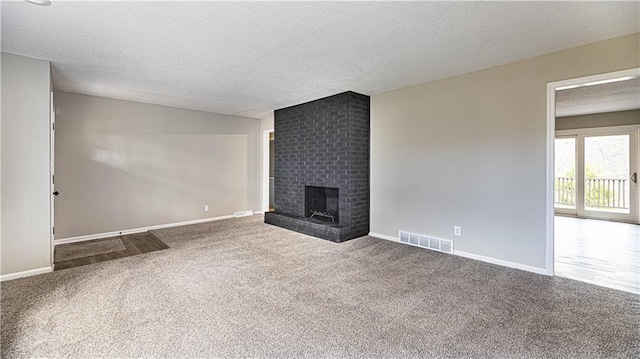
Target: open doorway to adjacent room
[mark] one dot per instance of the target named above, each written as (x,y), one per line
(272,157)
(595,217)
(268,170)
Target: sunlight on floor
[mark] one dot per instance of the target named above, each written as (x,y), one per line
(598,252)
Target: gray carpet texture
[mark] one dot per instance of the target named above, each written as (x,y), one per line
(67,252)
(240,288)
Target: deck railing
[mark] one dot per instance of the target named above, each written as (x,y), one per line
(565,191)
(606,193)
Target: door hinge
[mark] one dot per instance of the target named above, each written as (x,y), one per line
(53,126)
(53,230)
(53,179)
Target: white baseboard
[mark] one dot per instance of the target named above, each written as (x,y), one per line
(478,257)
(501,262)
(384,236)
(27,273)
(89,237)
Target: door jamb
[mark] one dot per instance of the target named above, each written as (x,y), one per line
(52,148)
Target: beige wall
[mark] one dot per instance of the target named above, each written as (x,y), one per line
(619,118)
(26,221)
(125,165)
(470,151)
(266,124)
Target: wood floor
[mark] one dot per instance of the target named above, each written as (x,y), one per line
(135,244)
(598,252)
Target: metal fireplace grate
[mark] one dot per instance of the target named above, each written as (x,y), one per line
(327,214)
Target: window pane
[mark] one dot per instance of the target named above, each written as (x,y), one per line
(606,173)
(565,173)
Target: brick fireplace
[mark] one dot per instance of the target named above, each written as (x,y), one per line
(322,167)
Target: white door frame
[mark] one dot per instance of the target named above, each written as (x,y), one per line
(52,186)
(551,134)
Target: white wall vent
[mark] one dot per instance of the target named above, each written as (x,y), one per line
(433,243)
(244,213)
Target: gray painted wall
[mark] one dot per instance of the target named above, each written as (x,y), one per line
(470,150)
(123,165)
(26,221)
(619,118)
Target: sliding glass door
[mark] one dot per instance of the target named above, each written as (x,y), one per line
(596,174)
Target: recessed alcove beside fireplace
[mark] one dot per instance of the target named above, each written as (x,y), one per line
(322,167)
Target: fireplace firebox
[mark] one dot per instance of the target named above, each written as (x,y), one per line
(322,203)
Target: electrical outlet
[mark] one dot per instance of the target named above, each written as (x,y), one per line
(457,231)
(206,207)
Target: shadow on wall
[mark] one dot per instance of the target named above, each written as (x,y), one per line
(169,160)
(141,180)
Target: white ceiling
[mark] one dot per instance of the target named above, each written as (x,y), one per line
(251,58)
(616,96)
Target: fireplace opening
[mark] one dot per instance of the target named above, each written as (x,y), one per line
(322,203)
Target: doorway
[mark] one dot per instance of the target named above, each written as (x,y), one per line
(272,157)
(592,164)
(268,170)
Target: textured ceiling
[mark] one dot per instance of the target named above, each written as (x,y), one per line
(251,58)
(616,96)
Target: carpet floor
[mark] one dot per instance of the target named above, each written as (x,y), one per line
(241,288)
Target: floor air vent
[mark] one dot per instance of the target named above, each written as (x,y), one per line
(419,240)
(244,213)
